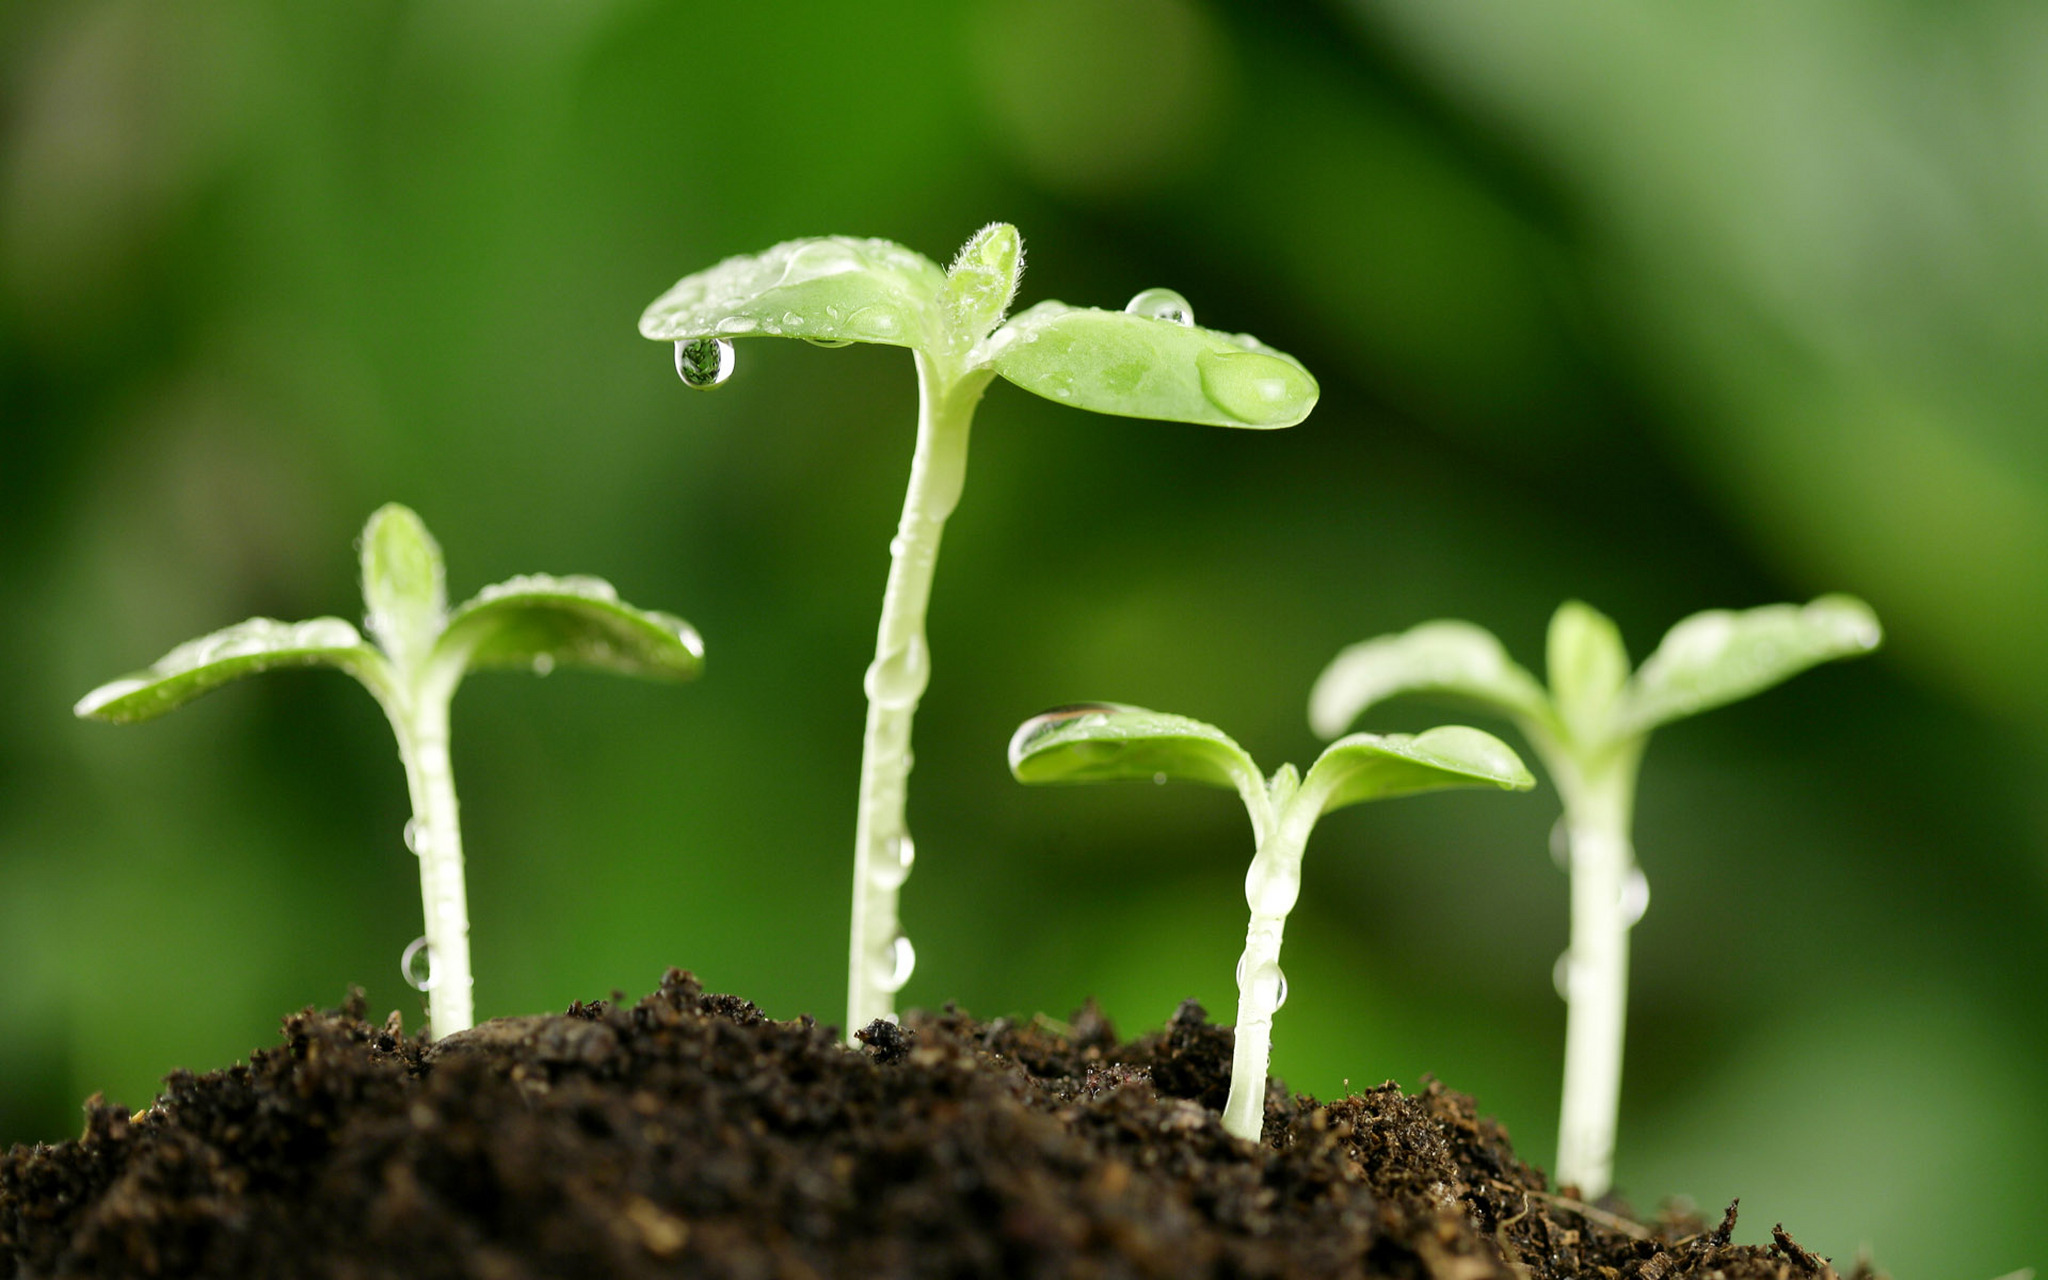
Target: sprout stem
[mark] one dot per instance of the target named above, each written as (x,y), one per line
(1596,971)
(896,681)
(420,721)
(1270,889)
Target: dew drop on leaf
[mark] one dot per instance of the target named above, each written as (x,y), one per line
(417,964)
(830,344)
(1162,304)
(703,363)
(543,663)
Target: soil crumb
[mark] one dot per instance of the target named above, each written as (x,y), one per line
(688,1135)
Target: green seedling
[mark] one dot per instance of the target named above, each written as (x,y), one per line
(421,651)
(1101,742)
(1590,728)
(1147,361)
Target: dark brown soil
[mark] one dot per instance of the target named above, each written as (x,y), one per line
(689,1136)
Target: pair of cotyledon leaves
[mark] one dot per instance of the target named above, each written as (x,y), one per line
(533,622)
(1149,363)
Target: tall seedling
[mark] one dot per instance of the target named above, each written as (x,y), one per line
(422,651)
(1146,361)
(1590,728)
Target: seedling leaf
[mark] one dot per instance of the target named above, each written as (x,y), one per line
(1137,366)
(983,280)
(257,644)
(404,583)
(1368,766)
(1720,656)
(1105,741)
(1588,667)
(1450,659)
(826,288)
(539,622)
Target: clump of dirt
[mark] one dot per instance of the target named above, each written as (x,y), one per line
(687,1135)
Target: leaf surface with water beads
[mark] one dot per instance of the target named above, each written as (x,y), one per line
(1106,741)
(1144,366)
(538,622)
(826,288)
(257,644)
(1368,766)
(1720,656)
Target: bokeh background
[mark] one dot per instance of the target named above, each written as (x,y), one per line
(1663,306)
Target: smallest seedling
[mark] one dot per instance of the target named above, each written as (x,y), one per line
(1100,742)
(423,649)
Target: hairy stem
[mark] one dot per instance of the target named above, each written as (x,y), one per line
(877,964)
(1597,812)
(422,728)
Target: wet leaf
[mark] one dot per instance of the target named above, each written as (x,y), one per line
(983,280)
(404,584)
(258,644)
(1105,741)
(539,622)
(1721,656)
(827,288)
(1449,659)
(1588,666)
(1139,366)
(1368,766)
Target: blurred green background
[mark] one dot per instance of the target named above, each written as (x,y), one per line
(1664,306)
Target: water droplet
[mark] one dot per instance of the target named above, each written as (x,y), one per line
(1635,896)
(1561,844)
(897,546)
(417,964)
(830,344)
(1561,975)
(543,663)
(1268,989)
(1162,304)
(417,837)
(892,868)
(1255,388)
(1158,779)
(898,679)
(896,964)
(704,362)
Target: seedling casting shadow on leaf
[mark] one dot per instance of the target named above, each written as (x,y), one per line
(1102,741)
(422,651)
(1146,361)
(1590,728)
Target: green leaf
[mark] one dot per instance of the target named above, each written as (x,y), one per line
(983,280)
(1368,766)
(257,644)
(828,289)
(1721,656)
(539,622)
(1141,367)
(1588,666)
(404,584)
(1447,658)
(1104,741)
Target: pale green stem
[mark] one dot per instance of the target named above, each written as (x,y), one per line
(421,724)
(1270,889)
(877,962)
(1597,815)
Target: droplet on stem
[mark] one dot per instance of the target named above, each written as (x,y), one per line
(417,837)
(1561,844)
(892,868)
(703,363)
(1268,989)
(1161,304)
(896,965)
(417,964)
(1635,897)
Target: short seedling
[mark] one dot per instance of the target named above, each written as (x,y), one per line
(422,651)
(1097,742)
(1590,728)
(1146,361)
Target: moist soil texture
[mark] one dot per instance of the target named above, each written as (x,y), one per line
(687,1135)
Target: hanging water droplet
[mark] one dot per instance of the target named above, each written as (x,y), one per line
(1161,304)
(1635,896)
(1268,989)
(418,838)
(1561,844)
(417,964)
(543,663)
(830,344)
(1561,975)
(703,363)
(892,867)
(895,965)
(897,546)
(897,679)
(1158,779)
